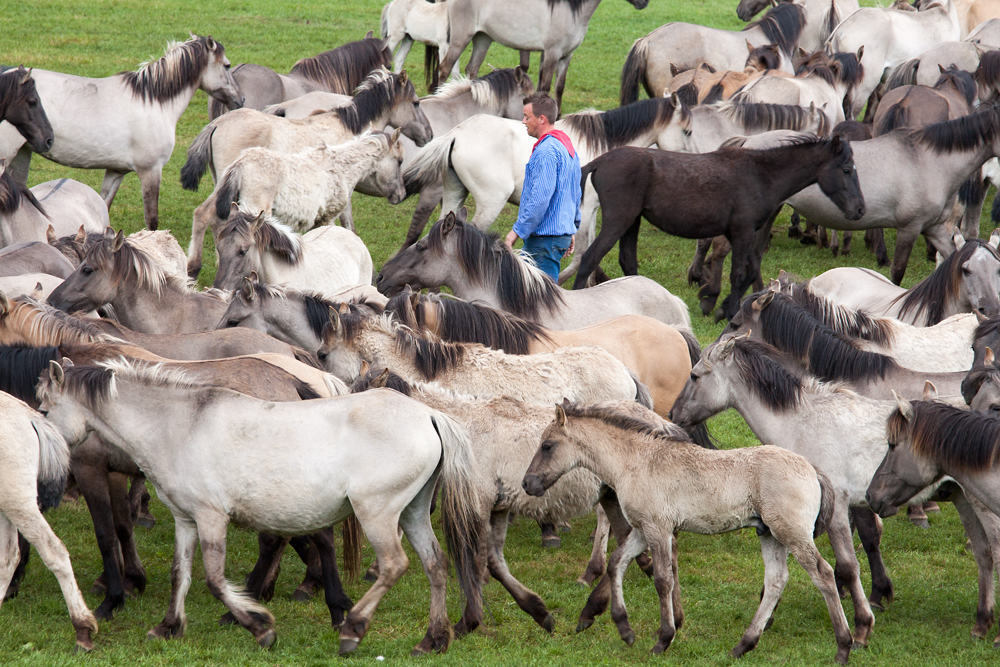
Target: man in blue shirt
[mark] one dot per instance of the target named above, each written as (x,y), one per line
(549,214)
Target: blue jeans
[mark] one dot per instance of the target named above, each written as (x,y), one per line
(547,251)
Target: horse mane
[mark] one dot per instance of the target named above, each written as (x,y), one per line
(342,69)
(394,382)
(271,235)
(466,322)
(973,382)
(986,327)
(930,294)
(95,384)
(131,262)
(180,68)
(490,91)
(763,117)
(831,19)
(604,130)
(611,417)
(768,55)
(962,80)
(961,440)
(829,355)
(50,324)
(853,323)
(521,287)
(11,89)
(21,365)
(13,194)
(987,74)
(766,378)
(574,5)
(782,25)
(961,134)
(430,355)
(374,96)
(842,67)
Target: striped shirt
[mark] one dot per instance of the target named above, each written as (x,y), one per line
(550,197)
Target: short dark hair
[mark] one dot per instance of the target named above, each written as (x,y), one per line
(543,105)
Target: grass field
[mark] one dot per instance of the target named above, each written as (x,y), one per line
(721,576)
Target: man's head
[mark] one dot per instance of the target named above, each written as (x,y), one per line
(540,112)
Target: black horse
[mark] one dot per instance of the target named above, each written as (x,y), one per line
(732,192)
(21,107)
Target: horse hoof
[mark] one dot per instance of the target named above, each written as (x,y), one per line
(996,644)
(566,528)
(931,506)
(549,624)
(583,625)
(301,595)
(348,645)
(370,578)
(552,542)
(145,521)
(629,637)
(857,646)
(83,647)
(267,639)
(227,619)
(921,523)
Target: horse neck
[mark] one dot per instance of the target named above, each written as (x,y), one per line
(789,181)
(608,452)
(25,224)
(138,307)
(352,164)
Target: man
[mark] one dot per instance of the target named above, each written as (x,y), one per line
(550,198)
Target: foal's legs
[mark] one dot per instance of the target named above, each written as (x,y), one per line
(628,250)
(905,238)
(109,188)
(623,555)
(742,271)
(121,512)
(185,541)
(405,44)
(22,565)
(775,555)
(203,217)
(595,567)
(869,528)
(260,582)
(150,180)
(664,553)
(842,542)
(821,574)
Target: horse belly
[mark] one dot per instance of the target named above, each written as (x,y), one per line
(504,21)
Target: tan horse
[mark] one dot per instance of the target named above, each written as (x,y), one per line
(703,85)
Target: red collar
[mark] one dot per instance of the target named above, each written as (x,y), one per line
(561,136)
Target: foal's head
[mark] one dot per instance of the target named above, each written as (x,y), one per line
(249,305)
(22,108)
(389,167)
(242,239)
(339,352)
(838,179)
(556,456)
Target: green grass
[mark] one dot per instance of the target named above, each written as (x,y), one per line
(721,576)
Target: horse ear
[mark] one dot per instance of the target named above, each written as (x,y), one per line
(343,309)
(941,68)
(560,416)
(254,278)
(365,367)
(81,235)
(414,299)
(119,241)
(995,238)
(727,348)
(763,301)
(370,34)
(930,391)
(448,224)
(749,46)
(211,43)
(905,407)
(801,53)
(774,285)
(403,78)
(395,136)
(38,292)
(233,208)
(248,293)
(675,100)
(25,76)
(50,235)
(837,143)
(3,165)
(334,321)
(56,374)
(980,317)
(958,239)
(462,215)
(674,70)
(257,223)
(382,380)
(861,52)
(989,357)
(4,303)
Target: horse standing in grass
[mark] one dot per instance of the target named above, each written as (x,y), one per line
(663,486)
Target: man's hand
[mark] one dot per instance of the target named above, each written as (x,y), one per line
(572,246)
(511,238)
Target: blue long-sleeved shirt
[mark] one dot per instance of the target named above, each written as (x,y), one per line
(550,198)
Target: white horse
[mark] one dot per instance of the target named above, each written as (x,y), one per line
(408,21)
(325,259)
(313,186)
(127,122)
(286,468)
(35,464)
(890,38)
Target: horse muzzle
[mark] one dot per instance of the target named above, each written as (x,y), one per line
(883,509)
(532,485)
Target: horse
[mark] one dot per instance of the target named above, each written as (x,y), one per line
(36,463)
(659,355)
(380,97)
(651,60)
(33,257)
(64,204)
(986,34)
(21,107)
(966,281)
(892,37)
(821,16)
(407,21)
(126,122)
(703,85)
(339,70)
(321,481)
(663,486)
(327,258)
(915,106)
(924,70)
(160,245)
(747,188)
(311,187)
(557,29)
(145,297)
(350,340)
(476,265)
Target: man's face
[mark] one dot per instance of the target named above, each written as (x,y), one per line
(531,121)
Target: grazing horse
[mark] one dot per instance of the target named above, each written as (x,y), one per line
(554,27)
(822,16)
(339,70)
(653,58)
(21,107)
(476,265)
(663,486)
(36,463)
(731,192)
(250,453)
(126,122)
(325,259)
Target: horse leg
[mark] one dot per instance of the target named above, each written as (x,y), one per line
(337,601)
(869,528)
(185,541)
(595,567)
(742,271)
(562,67)
(794,230)
(775,555)
(622,556)
(905,238)
(480,46)
(139,498)
(984,562)
(121,512)
(203,218)
(711,285)
(822,238)
(848,237)
(525,61)
(399,61)
(550,536)
(975,195)
(10,540)
(664,567)
(601,245)
(586,232)
(150,181)
(547,70)
(848,570)
(834,243)
(260,582)
(430,197)
(821,574)
(346,216)
(25,517)
(695,271)
(21,164)
(109,188)
(459,39)
(875,241)
(525,598)
(309,553)
(628,250)
(809,236)
(24,549)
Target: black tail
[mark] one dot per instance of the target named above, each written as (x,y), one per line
(826,503)
(634,73)
(973,190)
(714,94)
(432,60)
(586,171)
(305,392)
(199,155)
(902,75)
(896,117)
(229,191)
(700,436)
(995,212)
(694,349)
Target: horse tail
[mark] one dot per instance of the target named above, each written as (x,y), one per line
(694,349)
(831,19)
(432,61)
(429,165)
(350,531)
(586,171)
(460,503)
(199,155)
(634,72)
(53,463)
(825,504)
(229,189)
(642,394)
(305,390)
(902,75)
(896,117)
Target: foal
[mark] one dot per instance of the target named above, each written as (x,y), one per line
(663,486)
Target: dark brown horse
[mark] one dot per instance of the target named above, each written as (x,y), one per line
(732,192)
(21,107)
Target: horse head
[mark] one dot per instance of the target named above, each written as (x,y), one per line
(407,114)
(388,170)
(236,244)
(427,262)
(838,179)
(975,275)
(23,109)
(217,79)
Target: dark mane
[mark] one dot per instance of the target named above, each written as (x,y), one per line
(11,90)
(853,323)
(782,25)
(181,67)
(961,440)
(267,237)
(625,422)
(432,357)
(988,73)
(605,130)
(90,384)
(974,381)
(394,382)
(828,355)
(377,94)
(765,377)
(342,69)
(842,67)
(20,366)
(986,327)
(928,297)
(13,194)
(962,134)
(762,117)
(962,81)
(522,289)
(501,82)
(768,55)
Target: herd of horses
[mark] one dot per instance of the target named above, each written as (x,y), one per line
(115,370)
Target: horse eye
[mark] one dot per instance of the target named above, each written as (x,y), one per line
(421,248)
(322,356)
(547,447)
(847,171)
(86,270)
(995,408)
(32,104)
(694,378)
(233,323)
(228,65)
(243,252)
(966,271)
